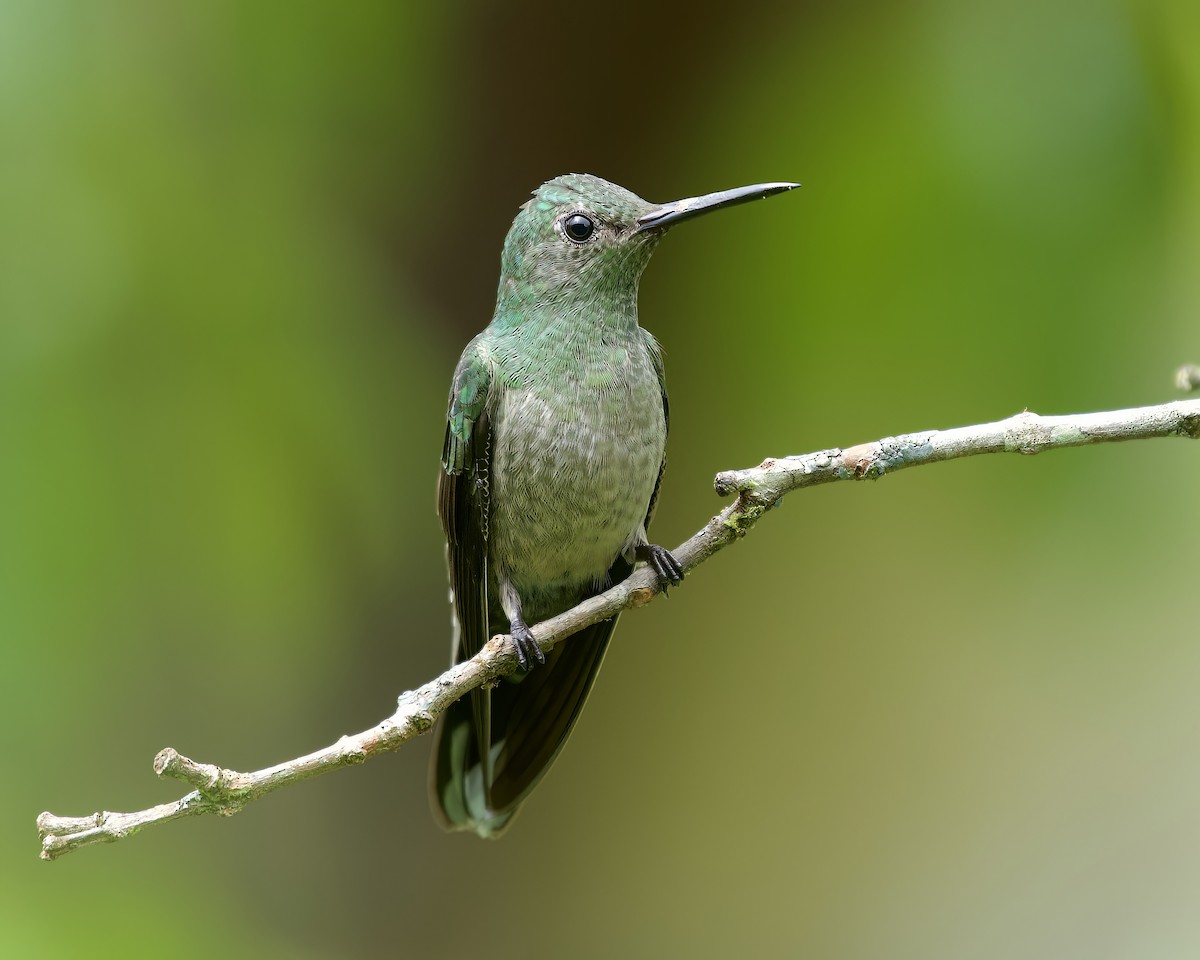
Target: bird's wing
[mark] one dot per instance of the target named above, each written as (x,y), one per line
(463,496)
(463,507)
(655,352)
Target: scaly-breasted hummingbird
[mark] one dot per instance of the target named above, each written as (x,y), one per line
(555,443)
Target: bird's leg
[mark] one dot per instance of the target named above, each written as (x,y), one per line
(670,573)
(528,651)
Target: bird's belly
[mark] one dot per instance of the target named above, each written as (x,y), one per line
(571,483)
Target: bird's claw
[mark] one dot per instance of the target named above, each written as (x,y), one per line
(670,573)
(528,651)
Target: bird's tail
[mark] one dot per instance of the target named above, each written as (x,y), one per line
(531,716)
(456,787)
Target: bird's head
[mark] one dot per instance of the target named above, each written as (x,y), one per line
(583,237)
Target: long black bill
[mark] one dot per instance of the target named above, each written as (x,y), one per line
(667,214)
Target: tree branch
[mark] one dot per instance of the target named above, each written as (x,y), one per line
(222,791)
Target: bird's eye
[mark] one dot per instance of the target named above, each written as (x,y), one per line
(578,227)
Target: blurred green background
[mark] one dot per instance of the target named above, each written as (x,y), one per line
(949,715)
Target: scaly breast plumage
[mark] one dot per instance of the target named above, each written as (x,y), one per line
(571,480)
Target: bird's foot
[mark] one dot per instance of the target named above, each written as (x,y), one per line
(528,651)
(670,573)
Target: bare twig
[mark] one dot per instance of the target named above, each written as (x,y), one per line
(218,790)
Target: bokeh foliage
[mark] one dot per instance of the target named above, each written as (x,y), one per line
(952,714)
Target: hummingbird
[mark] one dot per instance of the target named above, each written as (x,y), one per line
(555,446)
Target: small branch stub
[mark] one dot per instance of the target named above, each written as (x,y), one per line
(223,791)
(203,776)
